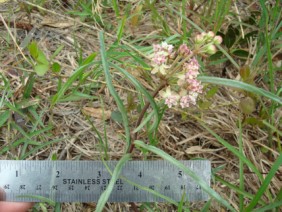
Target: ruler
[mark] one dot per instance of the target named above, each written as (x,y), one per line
(85,181)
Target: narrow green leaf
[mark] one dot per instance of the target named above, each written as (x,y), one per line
(29,86)
(140,88)
(58,50)
(144,122)
(4,117)
(69,82)
(89,59)
(206,207)
(241,167)
(198,180)
(36,149)
(120,28)
(236,189)
(234,151)
(115,7)
(4,149)
(112,89)
(275,166)
(240,85)
(268,208)
(106,194)
(37,197)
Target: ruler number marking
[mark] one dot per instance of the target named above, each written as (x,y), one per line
(140,174)
(57,174)
(180,174)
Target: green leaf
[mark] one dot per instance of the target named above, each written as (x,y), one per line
(245,72)
(56,68)
(140,88)
(69,82)
(112,89)
(41,69)
(210,93)
(230,37)
(240,53)
(197,179)
(29,86)
(41,58)
(37,197)
(33,49)
(233,150)
(269,207)
(274,168)
(89,59)
(58,50)
(4,117)
(106,194)
(116,116)
(241,85)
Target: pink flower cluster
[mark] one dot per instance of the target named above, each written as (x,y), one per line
(160,56)
(185,67)
(189,86)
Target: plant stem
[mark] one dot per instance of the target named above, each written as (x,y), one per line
(135,135)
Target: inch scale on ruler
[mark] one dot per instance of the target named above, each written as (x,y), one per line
(84,181)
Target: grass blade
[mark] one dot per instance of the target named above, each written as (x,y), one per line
(234,151)
(268,208)
(69,82)
(112,89)
(240,85)
(4,117)
(140,88)
(106,194)
(241,167)
(175,162)
(276,165)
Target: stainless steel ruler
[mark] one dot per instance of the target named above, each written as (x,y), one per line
(84,181)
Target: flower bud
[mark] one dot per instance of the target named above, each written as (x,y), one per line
(199,39)
(210,35)
(211,49)
(217,40)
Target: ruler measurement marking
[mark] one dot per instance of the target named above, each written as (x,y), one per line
(158,175)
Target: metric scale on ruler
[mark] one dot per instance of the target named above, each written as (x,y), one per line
(85,181)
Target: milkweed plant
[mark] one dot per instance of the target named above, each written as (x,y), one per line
(179,68)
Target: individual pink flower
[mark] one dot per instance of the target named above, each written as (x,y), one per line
(167,47)
(171,98)
(184,101)
(195,85)
(159,58)
(192,65)
(193,97)
(184,50)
